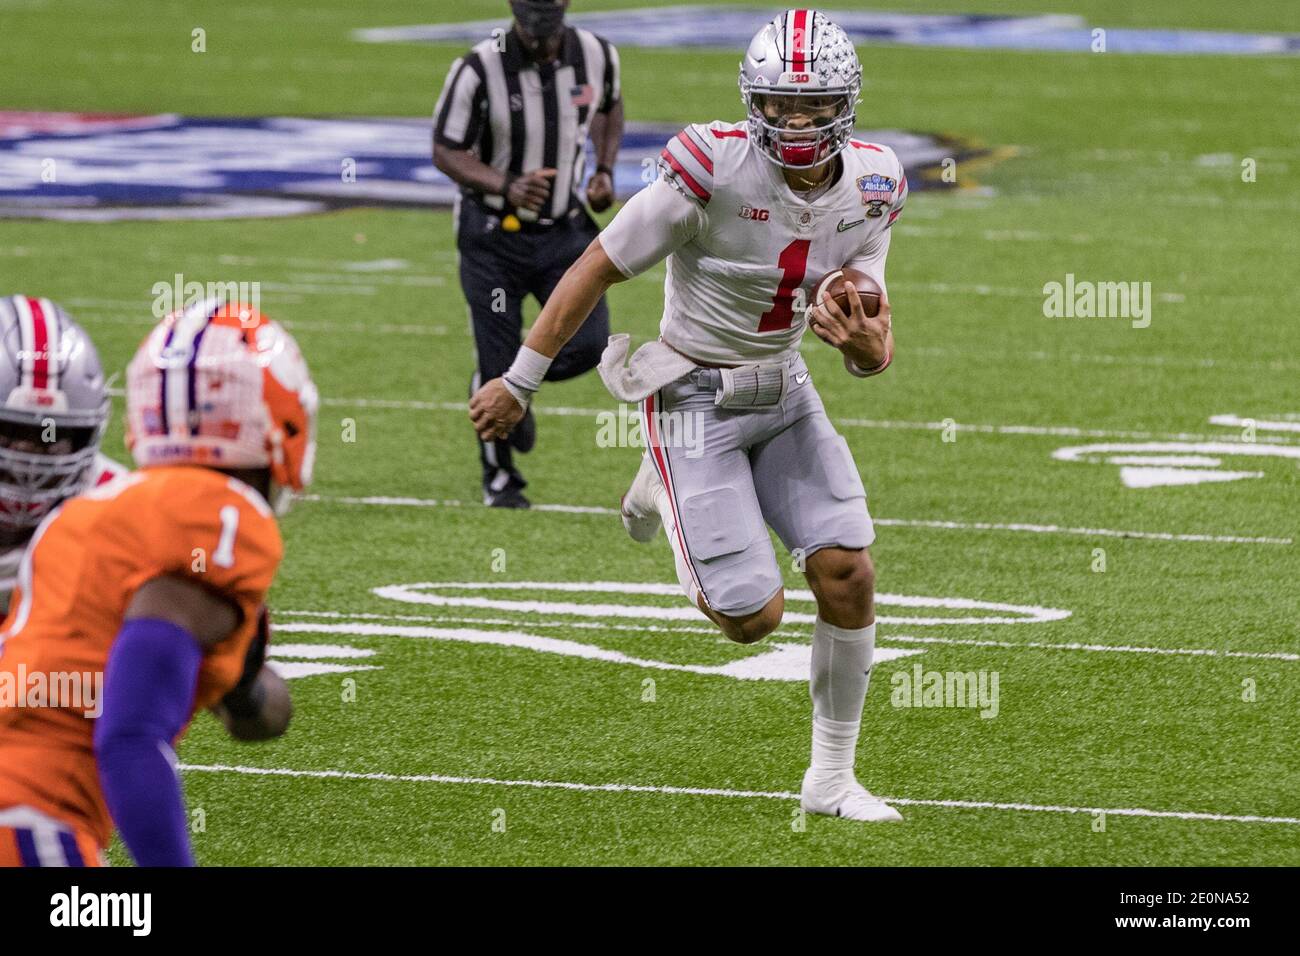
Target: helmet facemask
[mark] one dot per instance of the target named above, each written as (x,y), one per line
(42,464)
(801,129)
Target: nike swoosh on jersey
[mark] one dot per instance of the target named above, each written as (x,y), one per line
(846,226)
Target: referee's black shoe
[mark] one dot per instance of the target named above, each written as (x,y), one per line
(510,498)
(505,490)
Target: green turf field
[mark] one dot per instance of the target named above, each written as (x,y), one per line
(482,735)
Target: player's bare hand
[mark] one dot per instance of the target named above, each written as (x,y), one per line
(600,192)
(494,411)
(531,190)
(861,337)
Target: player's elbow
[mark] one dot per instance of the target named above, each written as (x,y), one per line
(598,267)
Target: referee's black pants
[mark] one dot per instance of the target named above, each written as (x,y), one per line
(497,270)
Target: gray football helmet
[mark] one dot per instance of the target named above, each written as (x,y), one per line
(53,410)
(800,66)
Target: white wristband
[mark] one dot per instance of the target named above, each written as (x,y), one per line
(519,395)
(528,371)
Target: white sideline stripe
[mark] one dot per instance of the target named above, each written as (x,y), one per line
(143,318)
(1100,648)
(719,792)
(1051,431)
(389,501)
(881,639)
(1085,532)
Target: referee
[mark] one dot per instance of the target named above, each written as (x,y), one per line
(511,127)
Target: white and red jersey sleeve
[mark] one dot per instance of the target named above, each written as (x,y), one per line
(106,469)
(688,159)
(882,182)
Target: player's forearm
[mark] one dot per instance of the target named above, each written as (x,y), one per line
(573,301)
(607,135)
(148,692)
(466,169)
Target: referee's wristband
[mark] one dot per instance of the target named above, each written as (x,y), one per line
(607,170)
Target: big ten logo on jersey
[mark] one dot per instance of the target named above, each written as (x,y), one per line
(755,215)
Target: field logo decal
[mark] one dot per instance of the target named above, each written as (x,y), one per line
(174,167)
(1157,464)
(776,660)
(731,28)
(292,661)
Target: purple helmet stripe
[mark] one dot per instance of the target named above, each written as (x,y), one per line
(162,379)
(192,372)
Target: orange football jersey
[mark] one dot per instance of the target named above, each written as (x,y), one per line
(85,563)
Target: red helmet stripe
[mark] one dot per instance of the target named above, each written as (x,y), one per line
(38,342)
(40,346)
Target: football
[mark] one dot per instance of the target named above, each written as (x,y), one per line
(837,283)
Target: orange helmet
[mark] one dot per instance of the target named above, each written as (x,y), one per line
(221,385)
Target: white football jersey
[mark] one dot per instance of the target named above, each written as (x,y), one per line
(743,250)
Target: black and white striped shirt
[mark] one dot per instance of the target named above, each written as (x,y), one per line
(519,116)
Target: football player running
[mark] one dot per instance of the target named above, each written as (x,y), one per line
(53,410)
(144,599)
(749,215)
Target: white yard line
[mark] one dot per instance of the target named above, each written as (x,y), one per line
(721,792)
(391,501)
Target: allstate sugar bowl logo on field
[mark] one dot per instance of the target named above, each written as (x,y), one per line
(97,168)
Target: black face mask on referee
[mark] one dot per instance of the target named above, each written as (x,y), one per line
(540,24)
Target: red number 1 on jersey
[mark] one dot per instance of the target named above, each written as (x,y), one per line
(793,265)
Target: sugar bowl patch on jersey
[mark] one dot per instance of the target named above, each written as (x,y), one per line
(883,194)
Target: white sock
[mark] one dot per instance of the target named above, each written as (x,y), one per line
(684,577)
(841,672)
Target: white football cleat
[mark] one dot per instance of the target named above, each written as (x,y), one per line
(838,794)
(640,514)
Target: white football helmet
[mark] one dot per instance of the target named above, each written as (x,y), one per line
(219,384)
(53,410)
(800,80)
